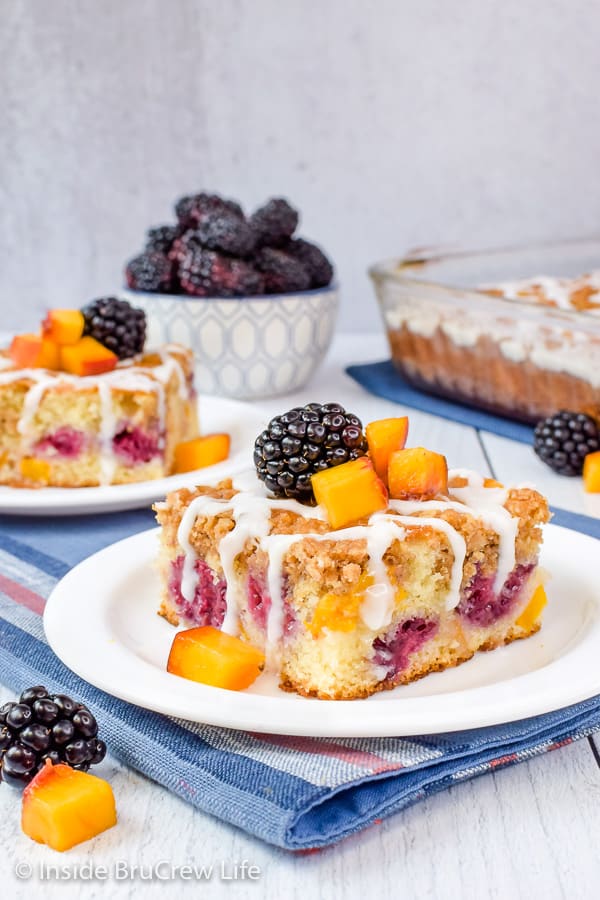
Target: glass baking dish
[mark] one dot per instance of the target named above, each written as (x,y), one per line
(515,357)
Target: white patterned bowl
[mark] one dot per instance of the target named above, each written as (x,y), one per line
(246,347)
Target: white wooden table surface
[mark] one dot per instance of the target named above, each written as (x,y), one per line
(532,830)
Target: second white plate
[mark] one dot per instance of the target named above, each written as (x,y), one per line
(242,421)
(101,621)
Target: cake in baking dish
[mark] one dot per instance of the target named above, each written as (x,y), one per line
(122,424)
(521,348)
(415,586)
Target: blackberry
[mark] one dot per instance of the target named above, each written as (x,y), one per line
(313,259)
(42,726)
(152,272)
(182,245)
(190,211)
(116,324)
(206,273)
(282,273)
(160,239)
(563,441)
(305,440)
(274,223)
(227,231)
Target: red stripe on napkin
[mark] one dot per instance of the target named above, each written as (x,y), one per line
(360,758)
(22,595)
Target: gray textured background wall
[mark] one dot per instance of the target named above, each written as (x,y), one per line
(391,123)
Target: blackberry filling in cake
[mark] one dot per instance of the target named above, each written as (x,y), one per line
(481,605)
(64,441)
(206,606)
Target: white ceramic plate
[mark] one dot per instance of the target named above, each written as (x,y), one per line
(101,621)
(241,421)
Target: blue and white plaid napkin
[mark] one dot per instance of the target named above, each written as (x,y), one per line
(295,792)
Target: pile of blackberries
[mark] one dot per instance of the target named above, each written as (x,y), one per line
(214,250)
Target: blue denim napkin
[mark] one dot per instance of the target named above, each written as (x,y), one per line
(299,793)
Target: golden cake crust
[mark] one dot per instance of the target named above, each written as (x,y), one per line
(439,665)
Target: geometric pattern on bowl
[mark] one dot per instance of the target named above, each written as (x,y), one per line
(246,347)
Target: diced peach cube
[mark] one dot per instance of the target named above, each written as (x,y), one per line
(87,357)
(31,351)
(349,492)
(35,469)
(591,472)
(25,349)
(213,657)
(383,437)
(534,608)
(49,357)
(63,807)
(339,612)
(151,359)
(201,452)
(63,326)
(417,474)
(492,483)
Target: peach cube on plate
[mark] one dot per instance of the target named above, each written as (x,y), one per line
(213,657)
(201,451)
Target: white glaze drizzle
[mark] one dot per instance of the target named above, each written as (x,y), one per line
(375,613)
(32,401)
(251,511)
(378,605)
(108,424)
(485,503)
(172,364)
(457,543)
(277,546)
(188,576)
